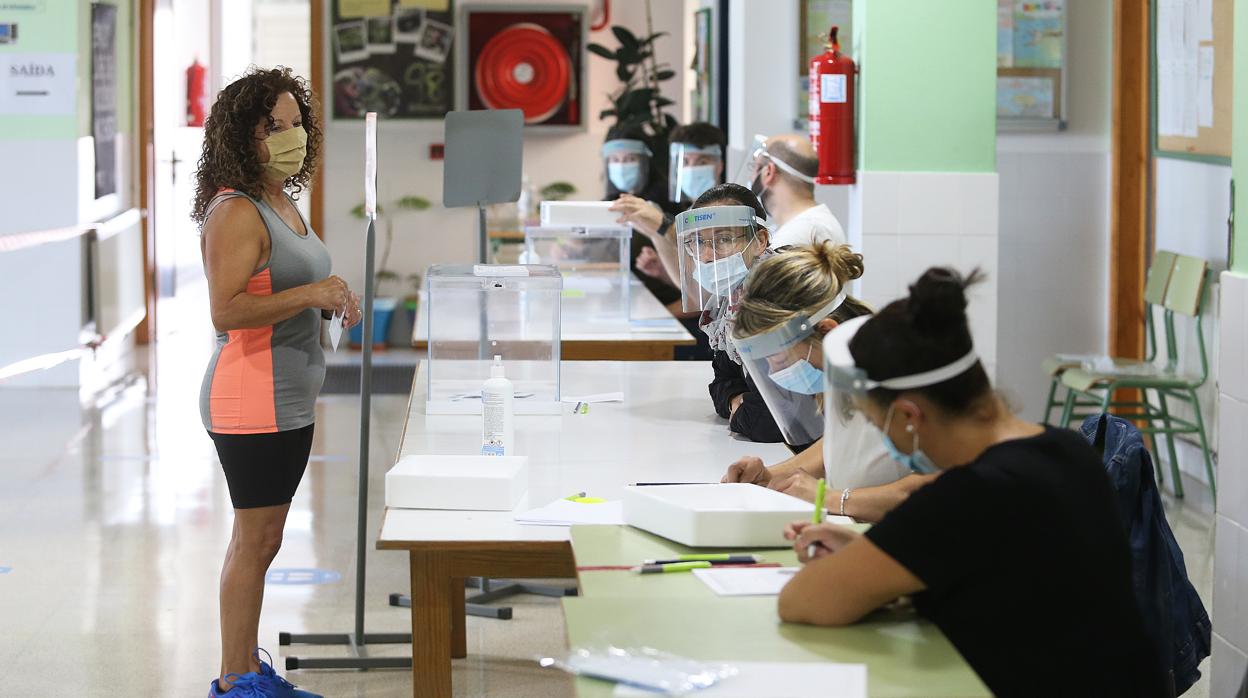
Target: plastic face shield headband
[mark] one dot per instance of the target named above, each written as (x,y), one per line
(748,172)
(711,244)
(846,429)
(691,181)
(778,361)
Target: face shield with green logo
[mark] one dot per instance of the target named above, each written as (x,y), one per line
(716,246)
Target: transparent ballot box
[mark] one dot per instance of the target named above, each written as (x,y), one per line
(596,268)
(477,312)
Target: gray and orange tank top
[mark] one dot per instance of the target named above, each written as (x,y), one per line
(266,379)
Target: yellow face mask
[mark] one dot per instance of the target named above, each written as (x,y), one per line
(287,150)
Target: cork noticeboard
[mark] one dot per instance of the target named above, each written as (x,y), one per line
(1187,31)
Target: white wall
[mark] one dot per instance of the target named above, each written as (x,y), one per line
(1054,237)
(440,235)
(1230,573)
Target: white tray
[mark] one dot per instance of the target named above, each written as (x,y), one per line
(475,483)
(714,516)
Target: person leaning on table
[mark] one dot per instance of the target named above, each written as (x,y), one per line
(790,303)
(1015,551)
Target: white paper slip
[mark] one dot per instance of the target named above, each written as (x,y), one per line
(780,680)
(335,329)
(567,513)
(746,581)
(597,397)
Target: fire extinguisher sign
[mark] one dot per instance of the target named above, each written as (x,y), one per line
(832,88)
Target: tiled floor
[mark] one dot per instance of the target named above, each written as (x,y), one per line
(114,519)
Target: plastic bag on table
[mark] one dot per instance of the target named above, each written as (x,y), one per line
(643,667)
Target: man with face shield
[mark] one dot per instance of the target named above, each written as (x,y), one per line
(781,172)
(792,300)
(1016,551)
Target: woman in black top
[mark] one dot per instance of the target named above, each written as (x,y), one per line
(1015,551)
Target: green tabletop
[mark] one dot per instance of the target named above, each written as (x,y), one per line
(676,613)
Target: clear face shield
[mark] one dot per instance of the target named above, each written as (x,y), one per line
(753,163)
(853,425)
(782,363)
(716,246)
(692,170)
(627,163)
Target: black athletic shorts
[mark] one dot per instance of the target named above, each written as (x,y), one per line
(263,470)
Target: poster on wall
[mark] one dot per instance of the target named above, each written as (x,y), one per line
(392,57)
(532,60)
(702,98)
(818,16)
(104,96)
(1031,56)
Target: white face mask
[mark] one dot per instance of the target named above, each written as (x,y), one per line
(722,275)
(694,181)
(626,176)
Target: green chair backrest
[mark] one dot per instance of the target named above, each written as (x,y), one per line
(1187,285)
(1159,277)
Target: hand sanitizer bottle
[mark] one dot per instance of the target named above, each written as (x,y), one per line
(497,420)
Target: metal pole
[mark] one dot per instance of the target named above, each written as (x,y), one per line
(366,399)
(483,236)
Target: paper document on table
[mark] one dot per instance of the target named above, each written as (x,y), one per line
(335,329)
(567,513)
(596,397)
(746,581)
(780,680)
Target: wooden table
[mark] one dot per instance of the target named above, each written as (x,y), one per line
(676,613)
(665,430)
(651,335)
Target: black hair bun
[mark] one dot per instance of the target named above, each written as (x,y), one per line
(938,299)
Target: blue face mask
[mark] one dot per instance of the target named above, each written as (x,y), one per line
(722,275)
(799,377)
(917,461)
(626,176)
(694,181)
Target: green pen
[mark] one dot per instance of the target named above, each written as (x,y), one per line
(821,493)
(672,567)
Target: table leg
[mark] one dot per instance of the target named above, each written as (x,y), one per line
(431,625)
(459,635)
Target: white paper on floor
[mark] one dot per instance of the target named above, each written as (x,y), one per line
(780,680)
(746,581)
(566,513)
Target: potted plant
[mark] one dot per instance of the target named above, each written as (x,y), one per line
(639,101)
(385,279)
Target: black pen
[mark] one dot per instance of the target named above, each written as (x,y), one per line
(714,559)
(664,484)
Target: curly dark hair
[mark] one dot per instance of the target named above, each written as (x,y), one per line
(229,158)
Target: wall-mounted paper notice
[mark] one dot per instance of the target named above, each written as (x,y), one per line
(370,164)
(1205,105)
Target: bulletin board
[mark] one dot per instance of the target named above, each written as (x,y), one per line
(1192,89)
(392,57)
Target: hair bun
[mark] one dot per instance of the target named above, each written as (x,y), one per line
(839,260)
(938,299)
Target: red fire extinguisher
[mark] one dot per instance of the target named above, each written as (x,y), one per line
(832,113)
(196,99)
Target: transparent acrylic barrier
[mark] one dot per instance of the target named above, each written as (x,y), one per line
(596,268)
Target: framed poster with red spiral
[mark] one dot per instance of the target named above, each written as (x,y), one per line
(527,57)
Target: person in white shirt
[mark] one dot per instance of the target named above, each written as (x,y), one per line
(782,175)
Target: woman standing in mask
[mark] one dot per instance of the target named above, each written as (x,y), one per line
(269,287)
(1015,551)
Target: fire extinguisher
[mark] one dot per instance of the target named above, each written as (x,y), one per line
(832,113)
(196,99)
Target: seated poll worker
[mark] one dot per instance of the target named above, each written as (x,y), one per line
(695,164)
(1015,551)
(781,172)
(629,166)
(720,239)
(791,301)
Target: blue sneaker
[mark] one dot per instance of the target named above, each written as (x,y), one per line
(249,685)
(278,686)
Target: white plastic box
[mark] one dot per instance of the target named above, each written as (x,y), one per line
(477,312)
(733,515)
(477,483)
(596,268)
(584,214)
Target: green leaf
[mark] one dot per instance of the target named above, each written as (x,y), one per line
(623,72)
(607,112)
(625,37)
(557,191)
(600,50)
(387,275)
(358,211)
(650,39)
(663,102)
(664,75)
(413,203)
